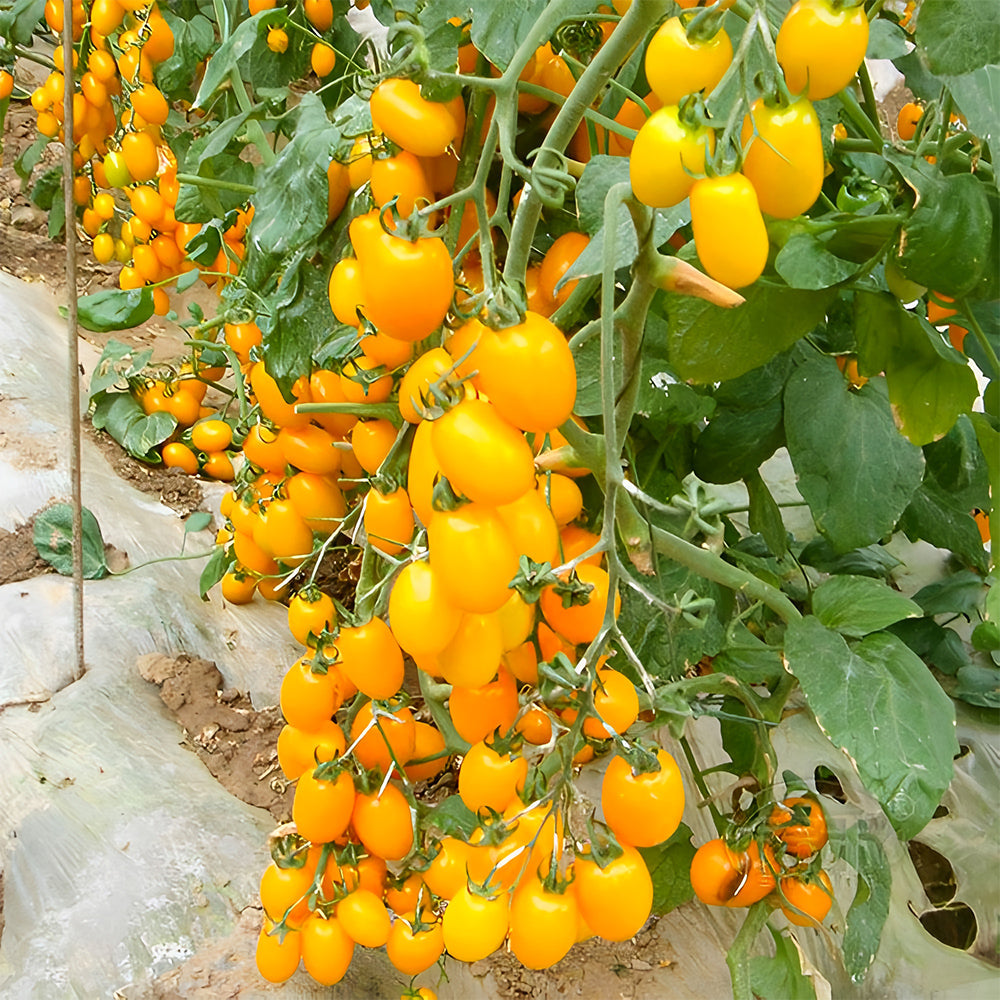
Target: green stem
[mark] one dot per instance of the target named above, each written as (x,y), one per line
(699,781)
(738,956)
(630,31)
(162,559)
(234,363)
(214,182)
(869,103)
(22,53)
(980,336)
(858,117)
(386,411)
(856,146)
(589,113)
(635,532)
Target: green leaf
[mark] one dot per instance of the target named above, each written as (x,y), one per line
(57,218)
(709,344)
(669,864)
(735,442)
(879,704)
(48,188)
(979,685)
(805,262)
(202,203)
(872,560)
(114,309)
(599,176)
(442,40)
(945,244)
(300,314)
(956,36)
(977,95)
(587,358)
(291,205)
(199,520)
(219,563)
(143,437)
(855,471)
(123,418)
(194,38)
(25,164)
(780,977)
(930,383)
(53,537)
(18,23)
(749,659)
(960,594)
(765,515)
(665,221)
(934,516)
(857,605)
(499,28)
(453,817)
(886,40)
(937,646)
(870,906)
(187,279)
(117,363)
(225,58)
(666,644)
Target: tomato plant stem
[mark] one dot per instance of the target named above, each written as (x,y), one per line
(626,36)
(869,103)
(858,117)
(980,335)
(218,183)
(738,956)
(699,781)
(22,53)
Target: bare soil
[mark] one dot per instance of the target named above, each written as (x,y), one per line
(236,743)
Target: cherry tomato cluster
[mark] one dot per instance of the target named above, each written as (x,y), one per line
(779,862)
(819,47)
(449,499)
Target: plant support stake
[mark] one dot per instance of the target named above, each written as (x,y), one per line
(72,346)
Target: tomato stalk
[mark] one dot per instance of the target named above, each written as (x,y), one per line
(217,183)
(738,956)
(858,117)
(234,364)
(630,31)
(868,101)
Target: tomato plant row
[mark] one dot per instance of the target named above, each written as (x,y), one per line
(498,302)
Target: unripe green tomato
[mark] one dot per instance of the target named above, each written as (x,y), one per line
(116,170)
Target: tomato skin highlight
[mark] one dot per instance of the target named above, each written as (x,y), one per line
(667,157)
(814,899)
(422,618)
(472,556)
(729,232)
(820,48)
(277,960)
(483,456)
(407,287)
(615,900)
(475,926)
(327,949)
(528,373)
(677,66)
(321,809)
(784,157)
(643,809)
(424,127)
(542,924)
